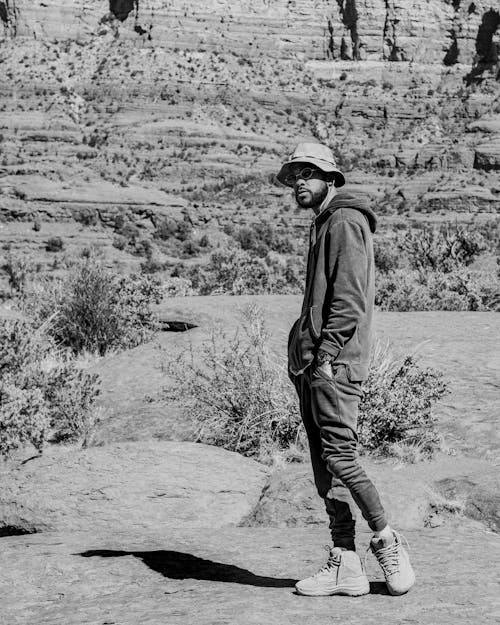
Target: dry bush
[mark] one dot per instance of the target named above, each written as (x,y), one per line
(94,309)
(460,289)
(397,405)
(442,249)
(43,395)
(237,394)
(239,397)
(237,272)
(430,268)
(19,268)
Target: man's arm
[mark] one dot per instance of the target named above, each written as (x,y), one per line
(347,268)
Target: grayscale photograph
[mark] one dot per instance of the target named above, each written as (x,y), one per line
(249,312)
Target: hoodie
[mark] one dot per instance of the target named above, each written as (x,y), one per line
(337,310)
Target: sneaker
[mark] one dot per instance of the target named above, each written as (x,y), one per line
(395,564)
(341,575)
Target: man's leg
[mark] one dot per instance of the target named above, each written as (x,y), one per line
(339,503)
(335,403)
(343,573)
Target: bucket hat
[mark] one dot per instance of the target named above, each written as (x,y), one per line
(315,154)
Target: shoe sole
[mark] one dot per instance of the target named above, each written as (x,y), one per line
(349,590)
(398,592)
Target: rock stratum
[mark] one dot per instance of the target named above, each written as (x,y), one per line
(199,103)
(439,31)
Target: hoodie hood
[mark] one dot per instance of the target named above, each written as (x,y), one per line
(345,199)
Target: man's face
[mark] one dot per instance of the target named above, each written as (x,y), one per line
(310,185)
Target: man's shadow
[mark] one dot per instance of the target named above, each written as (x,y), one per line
(178,565)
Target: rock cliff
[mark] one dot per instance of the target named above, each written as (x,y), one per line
(435,31)
(201,101)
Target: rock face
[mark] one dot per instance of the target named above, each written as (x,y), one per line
(153,486)
(431,32)
(477,502)
(487,155)
(198,104)
(290,499)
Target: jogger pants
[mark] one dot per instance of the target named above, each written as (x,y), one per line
(329,409)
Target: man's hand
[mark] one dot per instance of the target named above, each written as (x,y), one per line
(326,369)
(323,363)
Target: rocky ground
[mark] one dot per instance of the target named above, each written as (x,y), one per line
(235,575)
(140,529)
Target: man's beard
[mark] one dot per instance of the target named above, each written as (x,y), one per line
(313,199)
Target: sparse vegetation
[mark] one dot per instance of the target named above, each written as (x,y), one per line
(18,268)
(43,395)
(54,244)
(430,268)
(95,309)
(238,396)
(397,406)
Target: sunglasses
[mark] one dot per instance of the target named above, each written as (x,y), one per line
(305,174)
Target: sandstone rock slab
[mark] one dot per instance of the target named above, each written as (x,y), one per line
(487,156)
(290,498)
(236,575)
(480,501)
(486,124)
(146,485)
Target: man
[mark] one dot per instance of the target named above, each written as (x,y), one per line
(328,358)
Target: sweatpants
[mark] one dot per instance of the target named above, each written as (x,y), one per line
(329,409)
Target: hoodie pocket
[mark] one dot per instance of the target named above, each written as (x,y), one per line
(312,326)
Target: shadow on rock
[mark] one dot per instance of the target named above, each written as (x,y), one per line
(178,565)
(378,588)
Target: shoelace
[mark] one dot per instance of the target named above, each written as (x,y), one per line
(333,561)
(388,557)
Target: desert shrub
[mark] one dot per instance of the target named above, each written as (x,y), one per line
(37,223)
(441,249)
(248,240)
(385,255)
(184,230)
(261,237)
(231,271)
(460,289)
(190,248)
(204,241)
(120,242)
(144,247)
(165,229)
(152,265)
(490,231)
(287,273)
(236,272)
(54,244)
(236,393)
(19,269)
(86,216)
(396,407)
(95,309)
(42,393)
(177,287)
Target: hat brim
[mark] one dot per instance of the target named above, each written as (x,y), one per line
(326,168)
